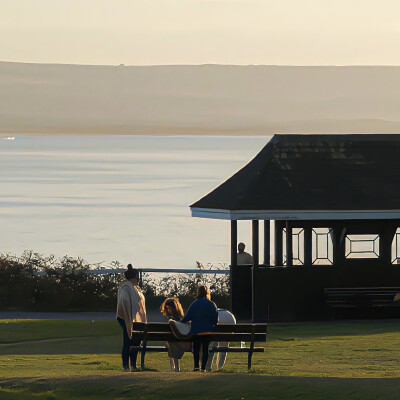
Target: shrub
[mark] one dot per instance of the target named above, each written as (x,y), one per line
(35,282)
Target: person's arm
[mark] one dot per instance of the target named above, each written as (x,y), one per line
(142,311)
(135,303)
(188,316)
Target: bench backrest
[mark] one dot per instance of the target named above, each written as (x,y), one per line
(157,331)
(230,328)
(368,291)
(361,290)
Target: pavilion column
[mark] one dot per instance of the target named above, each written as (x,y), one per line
(385,245)
(233,243)
(254,268)
(308,245)
(339,242)
(255,243)
(278,242)
(267,242)
(289,244)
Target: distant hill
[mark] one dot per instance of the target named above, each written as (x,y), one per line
(206,99)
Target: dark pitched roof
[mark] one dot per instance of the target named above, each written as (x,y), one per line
(315,172)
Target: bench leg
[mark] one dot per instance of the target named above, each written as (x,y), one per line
(143,353)
(249,355)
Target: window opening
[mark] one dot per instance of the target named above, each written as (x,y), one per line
(362,246)
(322,246)
(396,247)
(298,246)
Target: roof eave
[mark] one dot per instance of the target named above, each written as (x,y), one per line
(235,215)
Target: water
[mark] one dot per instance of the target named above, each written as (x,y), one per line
(124,198)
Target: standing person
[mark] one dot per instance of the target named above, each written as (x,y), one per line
(204,316)
(131,307)
(243,258)
(172,309)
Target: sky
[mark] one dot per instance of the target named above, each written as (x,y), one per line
(159,32)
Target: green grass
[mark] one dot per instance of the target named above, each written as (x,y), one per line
(80,360)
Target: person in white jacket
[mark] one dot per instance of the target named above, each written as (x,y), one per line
(224,317)
(131,307)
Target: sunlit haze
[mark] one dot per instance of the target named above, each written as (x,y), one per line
(132,32)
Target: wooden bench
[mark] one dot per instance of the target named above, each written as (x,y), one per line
(161,332)
(362,297)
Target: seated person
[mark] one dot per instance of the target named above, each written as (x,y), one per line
(172,309)
(204,316)
(225,317)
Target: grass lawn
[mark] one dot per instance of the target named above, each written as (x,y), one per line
(50,360)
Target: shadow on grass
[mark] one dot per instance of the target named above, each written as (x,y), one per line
(154,386)
(73,345)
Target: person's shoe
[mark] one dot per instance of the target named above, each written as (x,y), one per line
(127,370)
(196,370)
(203,370)
(134,369)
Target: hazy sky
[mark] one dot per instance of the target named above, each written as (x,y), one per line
(143,32)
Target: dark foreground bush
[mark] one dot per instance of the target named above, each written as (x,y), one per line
(38,283)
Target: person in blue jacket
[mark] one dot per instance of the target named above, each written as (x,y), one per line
(203,315)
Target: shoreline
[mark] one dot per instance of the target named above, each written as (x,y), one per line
(249,134)
(143,132)
(6,135)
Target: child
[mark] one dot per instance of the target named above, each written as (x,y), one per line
(172,309)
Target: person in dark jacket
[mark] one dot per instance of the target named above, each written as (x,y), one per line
(203,315)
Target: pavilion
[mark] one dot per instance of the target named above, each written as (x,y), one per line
(330,206)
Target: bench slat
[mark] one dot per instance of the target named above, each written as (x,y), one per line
(236,349)
(229,328)
(151,349)
(214,337)
(348,293)
(241,328)
(163,349)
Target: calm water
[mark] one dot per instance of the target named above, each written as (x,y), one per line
(122,198)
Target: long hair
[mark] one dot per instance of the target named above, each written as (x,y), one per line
(174,310)
(203,291)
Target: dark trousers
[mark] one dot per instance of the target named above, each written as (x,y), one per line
(200,341)
(127,342)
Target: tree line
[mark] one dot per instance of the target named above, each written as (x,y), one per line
(34,282)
